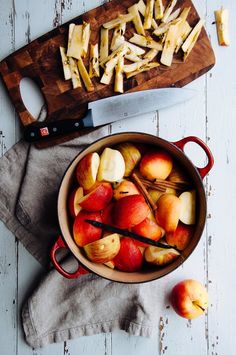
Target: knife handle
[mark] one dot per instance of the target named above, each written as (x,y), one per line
(42,131)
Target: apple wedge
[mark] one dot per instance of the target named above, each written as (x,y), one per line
(83,232)
(160,256)
(98,198)
(74,199)
(125,188)
(131,155)
(181,237)
(103,250)
(168,212)
(112,166)
(188,207)
(86,170)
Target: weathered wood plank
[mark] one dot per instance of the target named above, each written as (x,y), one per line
(221,131)
(184,336)
(8,245)
(29,25)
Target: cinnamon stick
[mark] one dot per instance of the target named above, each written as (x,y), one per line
(144,191)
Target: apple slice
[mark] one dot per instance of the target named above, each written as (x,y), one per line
(74,199)
(129,258)
(188,207)
(155,194)
(168,212)
(112,166)
(110,264)
(125,188)
(83,232)
(156,165)
(86,170)
(181,236)
(131,155)
(103,250)
(98,198)
(149,229)
(129,211)
(160,256)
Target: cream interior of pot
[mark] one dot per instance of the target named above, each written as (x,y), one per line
(66,223)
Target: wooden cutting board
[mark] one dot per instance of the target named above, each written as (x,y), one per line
(40,60)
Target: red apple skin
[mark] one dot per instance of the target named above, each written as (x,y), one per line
(97,199)
(129,211)
(181,237)
(83,232)
(149,229)
(156,165)
(86,172)
(107,214)
(189,299)
(129,258)
(73,204)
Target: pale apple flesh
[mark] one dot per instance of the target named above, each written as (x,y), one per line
(160,256)
(98,198)
(103,250)
(75,197)
(189,299)
(112,166)
(188,207)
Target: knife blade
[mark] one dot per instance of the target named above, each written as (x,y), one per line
(109,110)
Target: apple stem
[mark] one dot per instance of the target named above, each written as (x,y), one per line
(197,305)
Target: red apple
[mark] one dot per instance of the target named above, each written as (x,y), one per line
(107,214)
(125,188)
(98,198)
(129,211)
(129,257)
(87,169)
(168,212)
(189,299)
(84,233)
(156,165)
(181,237)
(74,206)
(149,229)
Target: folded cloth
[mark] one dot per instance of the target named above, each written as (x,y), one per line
(62,309)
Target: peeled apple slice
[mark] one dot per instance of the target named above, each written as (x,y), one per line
(188,207)
(160,256)
(103,250)
(112,166)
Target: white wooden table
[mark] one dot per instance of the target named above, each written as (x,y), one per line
(210,116)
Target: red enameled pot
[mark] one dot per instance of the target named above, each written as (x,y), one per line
(176,151)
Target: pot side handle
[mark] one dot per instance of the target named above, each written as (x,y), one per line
(202,171)
(58,245)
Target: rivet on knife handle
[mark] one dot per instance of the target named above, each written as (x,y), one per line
(46,130)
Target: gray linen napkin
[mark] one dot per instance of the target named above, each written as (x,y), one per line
(62,309)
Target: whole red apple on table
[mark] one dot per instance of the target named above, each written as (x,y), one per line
(189,299)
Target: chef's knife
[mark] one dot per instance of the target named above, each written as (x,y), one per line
(109,110)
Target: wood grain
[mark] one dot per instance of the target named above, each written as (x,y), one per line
(40,60)
(211,116)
